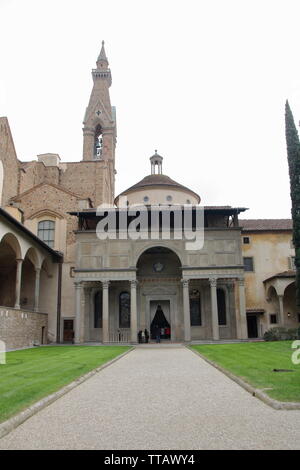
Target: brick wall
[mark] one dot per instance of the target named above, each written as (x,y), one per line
(21,328)
(9,161)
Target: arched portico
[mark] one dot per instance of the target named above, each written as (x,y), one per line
(28,274)
(10,252)
(159,291)
(281,298)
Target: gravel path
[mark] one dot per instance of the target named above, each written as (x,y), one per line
(158,398)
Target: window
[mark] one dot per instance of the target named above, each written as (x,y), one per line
(221,306)
(169,198)
(98,143)
(98,310)
(146,199)
(124,310)
(273,318)
(246,240)
(248,264)
(195,308)
(46,232)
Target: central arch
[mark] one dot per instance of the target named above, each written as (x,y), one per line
(159,261)
(159,275)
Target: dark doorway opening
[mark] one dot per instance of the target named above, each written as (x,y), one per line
(160,321)
(68,330)
(252,326)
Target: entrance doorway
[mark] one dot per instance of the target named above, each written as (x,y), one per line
(160,318)
(252,326)
(68,330)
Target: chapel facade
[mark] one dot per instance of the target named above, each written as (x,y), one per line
(105,284)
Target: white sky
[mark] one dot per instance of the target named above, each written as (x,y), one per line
(204,82)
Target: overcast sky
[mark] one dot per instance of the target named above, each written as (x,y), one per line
(204,82)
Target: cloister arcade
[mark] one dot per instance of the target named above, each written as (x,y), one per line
(28,283)
(281,298)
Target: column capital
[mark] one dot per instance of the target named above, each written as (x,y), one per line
(37,270)
(105,284)
(133,283)
(213,281)
(78,285)
(241,281)
(185,282)
(19,260)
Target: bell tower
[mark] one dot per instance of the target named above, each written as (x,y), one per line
(99,124)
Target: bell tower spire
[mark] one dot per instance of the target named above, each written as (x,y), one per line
(99,124)
(102,59)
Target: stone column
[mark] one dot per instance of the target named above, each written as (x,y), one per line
(214,308)
(18,282)
(133,311)
(231,310)
(78,313)
(281,311)
(242,305)
(37,289)
(105,312)
(87,313)
(186,309)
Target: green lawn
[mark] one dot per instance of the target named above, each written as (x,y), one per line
(31,374)
(254,362)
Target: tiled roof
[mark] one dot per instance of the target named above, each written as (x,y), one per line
(284,274)
(266,224)
(157,180)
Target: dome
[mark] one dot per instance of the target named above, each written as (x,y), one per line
(158,188)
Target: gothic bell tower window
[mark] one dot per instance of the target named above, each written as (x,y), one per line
(98,145)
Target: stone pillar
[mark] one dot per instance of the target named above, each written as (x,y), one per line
(18,282)
(105,312)
(214,308)
(88,143)
(87,310)
(242,306)
(133,311)
(78,313)
(186,309)
(37,289)
(281,311)
(231,310)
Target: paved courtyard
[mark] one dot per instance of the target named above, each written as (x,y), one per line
(158,397)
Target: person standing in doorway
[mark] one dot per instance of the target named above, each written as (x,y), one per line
(146,335)
(157,333)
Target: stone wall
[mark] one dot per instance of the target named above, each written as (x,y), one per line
(9,162)
(22,328)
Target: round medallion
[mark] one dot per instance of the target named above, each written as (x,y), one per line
(158,267)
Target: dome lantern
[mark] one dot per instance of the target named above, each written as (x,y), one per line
(156,160)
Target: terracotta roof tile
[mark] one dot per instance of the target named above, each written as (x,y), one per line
(266,224)
(288,274)
(160,180)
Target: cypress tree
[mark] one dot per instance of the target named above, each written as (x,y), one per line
(293,154)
